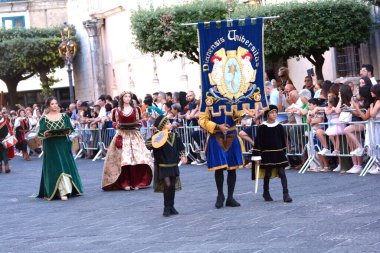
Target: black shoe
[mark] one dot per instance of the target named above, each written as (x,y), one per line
(267,196)
(232,202)
(219,201)
(287,198)
(173,211)
(166,212)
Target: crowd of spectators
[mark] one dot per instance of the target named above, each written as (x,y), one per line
(320,104)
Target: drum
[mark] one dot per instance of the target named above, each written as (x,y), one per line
(34,143)
(32,140)
(30,135)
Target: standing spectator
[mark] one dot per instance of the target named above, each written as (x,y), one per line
(192,117)
(176,120)
(309,85)
(169,97)
(317,89)
(272,93)
(283,74)
(109,99)
(151,109)
(154,97)
(367,70)
(375,115)
(353,131)
(161,100)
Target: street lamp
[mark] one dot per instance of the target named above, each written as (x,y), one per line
(67,50)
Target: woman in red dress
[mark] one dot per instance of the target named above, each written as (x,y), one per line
(128,164)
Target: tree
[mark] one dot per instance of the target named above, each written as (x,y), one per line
(310,29)
(159,30)
(27,52)
(304,29)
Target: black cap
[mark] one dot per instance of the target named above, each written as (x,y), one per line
(270,108)
(160,122)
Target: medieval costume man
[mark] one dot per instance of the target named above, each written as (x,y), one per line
(224,150)
(269,151)
(168,149)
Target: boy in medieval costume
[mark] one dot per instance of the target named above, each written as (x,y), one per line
(168,149)
(269,151)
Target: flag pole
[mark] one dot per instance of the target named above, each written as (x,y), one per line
(228,20)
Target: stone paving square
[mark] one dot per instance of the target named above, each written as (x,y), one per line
(330,213)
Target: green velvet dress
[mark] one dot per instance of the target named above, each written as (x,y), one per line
(58,162)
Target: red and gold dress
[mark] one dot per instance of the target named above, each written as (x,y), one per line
(128,162)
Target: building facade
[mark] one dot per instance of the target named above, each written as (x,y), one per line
(109,63)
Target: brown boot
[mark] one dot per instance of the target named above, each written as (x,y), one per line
(27,157)
(1,168)
(7,169)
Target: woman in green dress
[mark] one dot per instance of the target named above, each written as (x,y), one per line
(60,176)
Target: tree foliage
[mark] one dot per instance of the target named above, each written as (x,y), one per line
(308,28)
(27,52)
(374,2)
(159,30)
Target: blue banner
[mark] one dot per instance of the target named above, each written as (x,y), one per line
(232,64)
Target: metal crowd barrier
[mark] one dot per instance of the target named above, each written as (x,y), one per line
(300,139)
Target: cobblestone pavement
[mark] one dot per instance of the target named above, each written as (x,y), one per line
(330,213)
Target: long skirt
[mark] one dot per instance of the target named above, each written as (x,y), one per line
(59,172)
(128,162)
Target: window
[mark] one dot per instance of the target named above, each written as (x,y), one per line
(14,22)
(347,61)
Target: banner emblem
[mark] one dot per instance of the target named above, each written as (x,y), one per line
(232,64)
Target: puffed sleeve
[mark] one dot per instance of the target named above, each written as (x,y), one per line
(114,115)
(205,122)
(68,123)
(138,113)
(256,155)
(42,129)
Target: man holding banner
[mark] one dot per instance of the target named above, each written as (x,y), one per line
(231,59)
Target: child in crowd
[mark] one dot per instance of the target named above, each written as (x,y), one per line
(335,127)
(146,126)
(314,120)
(168,149)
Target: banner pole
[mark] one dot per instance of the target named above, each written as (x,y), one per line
(241,19)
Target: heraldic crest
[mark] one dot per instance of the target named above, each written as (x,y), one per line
(232,65)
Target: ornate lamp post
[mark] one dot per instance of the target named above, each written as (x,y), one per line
(67,50)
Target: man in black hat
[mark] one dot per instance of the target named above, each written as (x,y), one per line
(270,153)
